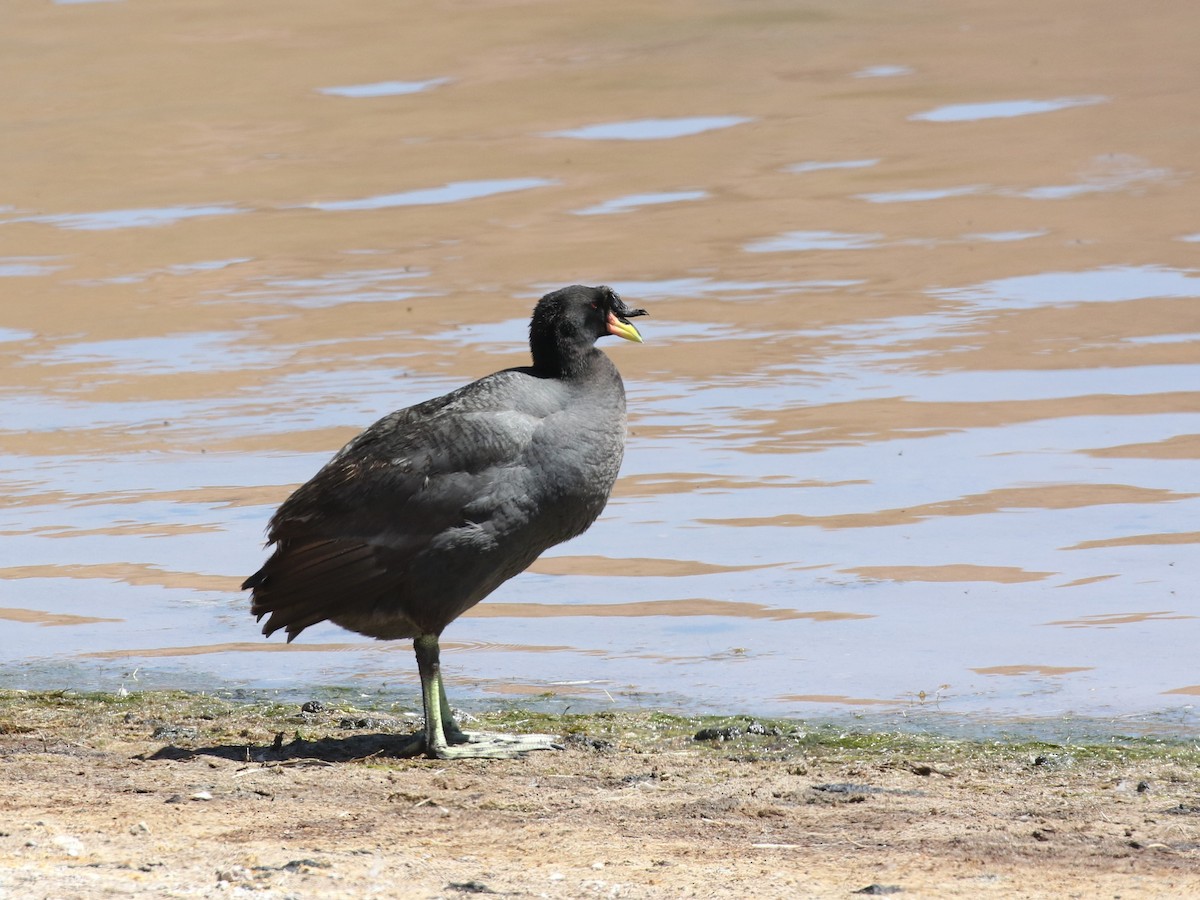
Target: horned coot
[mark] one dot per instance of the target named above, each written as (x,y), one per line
(435,506)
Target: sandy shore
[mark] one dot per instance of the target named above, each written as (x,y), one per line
(172,795)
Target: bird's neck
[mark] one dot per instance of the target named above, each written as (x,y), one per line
(567,362)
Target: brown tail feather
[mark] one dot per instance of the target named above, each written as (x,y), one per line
(302,584)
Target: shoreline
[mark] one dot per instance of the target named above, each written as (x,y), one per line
(932,718)
(170,794)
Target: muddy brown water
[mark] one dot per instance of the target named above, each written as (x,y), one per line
(915,429)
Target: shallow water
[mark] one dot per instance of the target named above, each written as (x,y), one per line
(915,430)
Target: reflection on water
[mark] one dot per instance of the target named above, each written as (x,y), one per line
(800,168)
(1004,236)
(383,88)
(749,291)
(636,201)
(650,129)
(173,269)
(1104,285)
(1106,175)
(883,72)
(449,193)
(1002,109)
(930,194)
(27,267)
(187,352)
(814,240)
(130,218)
(335,288)
(934,452)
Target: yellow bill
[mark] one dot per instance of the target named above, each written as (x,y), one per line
(623,328)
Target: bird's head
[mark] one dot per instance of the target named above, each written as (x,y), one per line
(567,322)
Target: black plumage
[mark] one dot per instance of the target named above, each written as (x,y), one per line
(434,506)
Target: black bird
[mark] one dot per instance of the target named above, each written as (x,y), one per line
(435,506)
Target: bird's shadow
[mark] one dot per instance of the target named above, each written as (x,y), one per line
(352,748)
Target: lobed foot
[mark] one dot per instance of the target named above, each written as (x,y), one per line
(484,745)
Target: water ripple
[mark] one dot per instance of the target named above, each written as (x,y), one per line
(1003,109)
(650,129)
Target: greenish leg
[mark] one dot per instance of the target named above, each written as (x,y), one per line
(443,738)
(454,734)
(433,698)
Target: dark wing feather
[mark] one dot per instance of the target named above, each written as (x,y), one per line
(344,540)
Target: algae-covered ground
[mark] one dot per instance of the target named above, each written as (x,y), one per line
(187,795)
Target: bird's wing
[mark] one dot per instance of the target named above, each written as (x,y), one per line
(414,475)
(415,471)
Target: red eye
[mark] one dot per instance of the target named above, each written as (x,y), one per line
(593,304)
